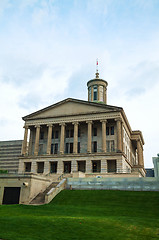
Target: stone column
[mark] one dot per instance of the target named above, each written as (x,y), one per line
(62,138)
(37,136)
(89,140)
(49,137)
(103,135)
(30,142)
(119,140)
(88,166)
(140,153)
(24,147)
(75,139)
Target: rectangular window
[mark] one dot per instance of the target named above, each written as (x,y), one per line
(53,167)
(40,167)
(67,133)
(94,131)
(95,93)
(27,167)
(108,146)
(52,148)
(71,147)
(112,146)
(95,146)
(107,130)
(57,134)
(79,133)
(40,149)
(56,148)
(112,130)
(41,135)
(52,134)
(67,145)
(71,133)
(78,147)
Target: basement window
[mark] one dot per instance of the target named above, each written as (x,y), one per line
(40,167)
(27,167)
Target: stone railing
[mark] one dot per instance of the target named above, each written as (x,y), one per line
(54,191)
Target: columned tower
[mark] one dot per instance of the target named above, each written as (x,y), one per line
(97,89)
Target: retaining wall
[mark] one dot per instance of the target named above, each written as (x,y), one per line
(131,184)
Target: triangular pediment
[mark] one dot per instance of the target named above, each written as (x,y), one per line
(70,107)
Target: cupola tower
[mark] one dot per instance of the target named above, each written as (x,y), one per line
(97,88)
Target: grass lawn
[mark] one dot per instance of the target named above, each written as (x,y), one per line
(84,215)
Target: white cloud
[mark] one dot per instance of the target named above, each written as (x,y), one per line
(48,51)
(4,4)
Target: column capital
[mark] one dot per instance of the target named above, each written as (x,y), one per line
(89,121)
(75,123)
(37,126)
(49,125)
(62,124)
(26,127)
(118,119)
(104,120)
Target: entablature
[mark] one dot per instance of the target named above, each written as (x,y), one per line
(72,119)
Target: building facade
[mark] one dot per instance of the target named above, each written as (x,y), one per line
(10,151)
(88,136)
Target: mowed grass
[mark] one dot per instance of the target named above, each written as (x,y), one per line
(84,215)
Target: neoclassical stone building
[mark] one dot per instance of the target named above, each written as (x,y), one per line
(88,136)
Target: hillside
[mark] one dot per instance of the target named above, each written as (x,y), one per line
(84,215)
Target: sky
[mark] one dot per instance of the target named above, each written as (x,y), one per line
(48,52)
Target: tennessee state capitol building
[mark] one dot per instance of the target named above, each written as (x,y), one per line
(88,136)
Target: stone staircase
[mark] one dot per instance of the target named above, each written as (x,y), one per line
(40,198)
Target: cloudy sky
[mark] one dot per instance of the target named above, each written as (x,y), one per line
(48,50)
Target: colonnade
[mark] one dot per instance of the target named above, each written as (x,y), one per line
(75,139)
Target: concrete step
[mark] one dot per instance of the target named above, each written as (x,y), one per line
(40,198)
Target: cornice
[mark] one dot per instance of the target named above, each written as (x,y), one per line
(72,119)
(73,156)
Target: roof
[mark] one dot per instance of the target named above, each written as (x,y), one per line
(93,106)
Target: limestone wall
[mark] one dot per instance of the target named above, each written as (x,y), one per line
(34,185)
(131,184)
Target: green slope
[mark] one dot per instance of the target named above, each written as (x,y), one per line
(85,215)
